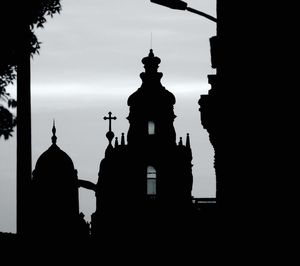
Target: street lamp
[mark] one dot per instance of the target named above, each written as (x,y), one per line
(181,5)
(207,102)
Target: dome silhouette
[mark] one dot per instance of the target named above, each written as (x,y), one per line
(55,200)
(54,161)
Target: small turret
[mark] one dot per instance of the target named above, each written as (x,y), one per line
(116,142)
(123,140)
(180,141)
(188,144)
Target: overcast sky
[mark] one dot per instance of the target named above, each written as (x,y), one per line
(89,63)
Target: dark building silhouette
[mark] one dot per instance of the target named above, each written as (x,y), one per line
(54,201)
(241,113)
(150,177)
(144,185)
(246,118)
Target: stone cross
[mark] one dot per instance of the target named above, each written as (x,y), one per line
(109,118)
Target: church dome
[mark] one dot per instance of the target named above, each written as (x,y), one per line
(54,157)
(55,201)
(54,162)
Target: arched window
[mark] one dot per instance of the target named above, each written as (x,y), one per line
(151,128)
(151,180)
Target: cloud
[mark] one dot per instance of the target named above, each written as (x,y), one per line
(97,41)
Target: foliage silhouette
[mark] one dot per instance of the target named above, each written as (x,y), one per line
(17,16)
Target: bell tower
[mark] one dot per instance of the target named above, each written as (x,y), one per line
(162,167)
(150,176)
(151,114)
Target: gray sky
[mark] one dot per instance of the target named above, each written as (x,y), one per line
(90,63)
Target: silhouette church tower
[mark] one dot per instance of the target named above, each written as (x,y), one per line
(151,175)
(55,201)
(143,182)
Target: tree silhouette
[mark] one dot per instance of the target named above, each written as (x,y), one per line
(18,21)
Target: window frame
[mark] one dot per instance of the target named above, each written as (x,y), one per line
(151,181)
(151,128)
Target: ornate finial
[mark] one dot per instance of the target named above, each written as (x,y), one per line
(110,135)
(180,141)
(53,138)
(116,142)
(188,144)
(123,140)
(151,54)
(151,75)
(151,62)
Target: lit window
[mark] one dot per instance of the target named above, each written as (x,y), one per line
(151,180)
(151,128)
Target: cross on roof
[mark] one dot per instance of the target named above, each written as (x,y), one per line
(110,118)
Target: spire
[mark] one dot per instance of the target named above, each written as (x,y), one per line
(53,138)
(123,140)
(116,142)
(188,144)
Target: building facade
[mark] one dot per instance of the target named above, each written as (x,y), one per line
(150,176)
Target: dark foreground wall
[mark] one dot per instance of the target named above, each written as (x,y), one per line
(245,117)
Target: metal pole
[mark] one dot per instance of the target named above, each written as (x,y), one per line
(23,132)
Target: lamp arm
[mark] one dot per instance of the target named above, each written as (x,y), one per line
(201,14)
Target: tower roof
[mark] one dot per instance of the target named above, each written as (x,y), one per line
(54,161)
(151,62)
(151,90)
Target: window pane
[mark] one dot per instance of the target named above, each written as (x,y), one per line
(151,172)
(151,187)
(151,128)
(151,180)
